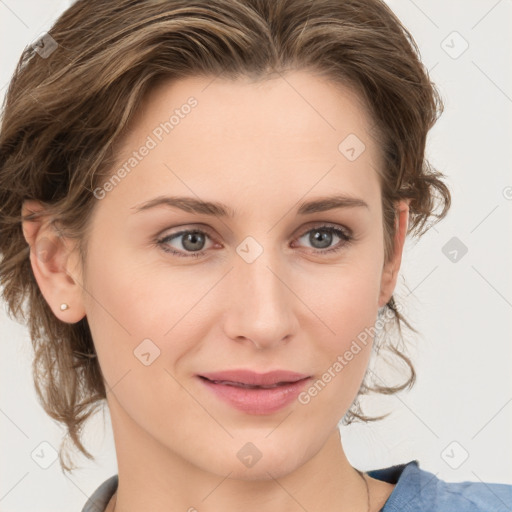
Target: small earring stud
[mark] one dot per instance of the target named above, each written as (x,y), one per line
(64,306)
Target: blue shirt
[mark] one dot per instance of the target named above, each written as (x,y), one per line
(416,490)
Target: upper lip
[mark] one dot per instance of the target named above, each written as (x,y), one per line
(253,378)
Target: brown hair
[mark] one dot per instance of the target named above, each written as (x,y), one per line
(57,138)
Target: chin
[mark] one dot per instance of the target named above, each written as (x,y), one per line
(256,461)
(268,470)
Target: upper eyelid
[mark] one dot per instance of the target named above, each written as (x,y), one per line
(185,230)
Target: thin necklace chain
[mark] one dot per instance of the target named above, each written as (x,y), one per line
(114,496)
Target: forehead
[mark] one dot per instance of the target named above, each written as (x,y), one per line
(294,132)
(299,103)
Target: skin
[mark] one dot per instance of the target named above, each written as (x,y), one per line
(261,148)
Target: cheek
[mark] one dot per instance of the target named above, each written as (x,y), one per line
(122,313)
(345,302)
(351,318)
(342,353)
(344,297)
(132,323)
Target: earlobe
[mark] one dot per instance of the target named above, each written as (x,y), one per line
(51,259)
(392,267)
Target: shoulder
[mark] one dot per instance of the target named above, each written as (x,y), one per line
(419,490)
(99,499)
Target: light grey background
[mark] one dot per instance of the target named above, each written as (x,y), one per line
(461,405)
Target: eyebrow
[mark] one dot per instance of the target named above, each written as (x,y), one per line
(192,205)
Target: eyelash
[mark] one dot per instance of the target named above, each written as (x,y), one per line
(345,236)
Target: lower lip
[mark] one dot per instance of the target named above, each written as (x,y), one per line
(257,400)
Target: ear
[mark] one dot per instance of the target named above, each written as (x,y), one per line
(391,268)
(55,264)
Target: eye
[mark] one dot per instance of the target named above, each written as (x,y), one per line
(321,237)
(192,243)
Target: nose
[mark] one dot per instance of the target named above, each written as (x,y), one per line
(261,305)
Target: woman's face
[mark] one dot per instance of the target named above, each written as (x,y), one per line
(260,288)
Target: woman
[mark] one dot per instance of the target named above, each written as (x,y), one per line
(205,204)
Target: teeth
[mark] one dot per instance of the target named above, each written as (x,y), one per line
(249,386)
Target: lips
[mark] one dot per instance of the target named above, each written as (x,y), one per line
(246,386)
(255,393)
(250,379)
